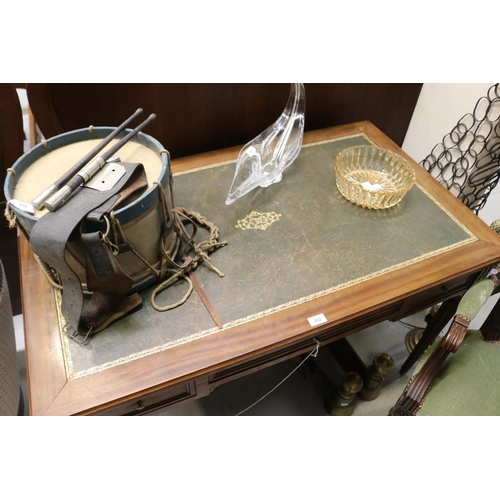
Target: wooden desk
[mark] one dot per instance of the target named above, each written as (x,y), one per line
(372,266)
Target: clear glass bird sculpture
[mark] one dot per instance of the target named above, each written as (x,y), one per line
(261,162)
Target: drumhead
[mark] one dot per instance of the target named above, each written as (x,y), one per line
(44,164)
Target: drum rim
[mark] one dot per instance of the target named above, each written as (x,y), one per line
(125,214)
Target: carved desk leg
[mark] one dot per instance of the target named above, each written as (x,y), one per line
(435,326)
(412,398)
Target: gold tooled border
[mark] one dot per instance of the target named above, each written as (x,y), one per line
(68,364)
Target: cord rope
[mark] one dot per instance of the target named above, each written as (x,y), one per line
(201,251)
(313,353)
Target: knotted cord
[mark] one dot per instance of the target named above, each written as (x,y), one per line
(201,251)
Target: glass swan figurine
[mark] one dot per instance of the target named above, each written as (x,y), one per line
(261,161)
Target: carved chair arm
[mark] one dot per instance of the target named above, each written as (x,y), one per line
(474,299)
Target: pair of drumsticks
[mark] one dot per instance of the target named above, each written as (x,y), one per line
(56,194)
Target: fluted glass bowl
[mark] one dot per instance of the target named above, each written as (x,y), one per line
(373,177)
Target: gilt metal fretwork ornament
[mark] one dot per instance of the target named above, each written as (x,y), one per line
(467,162)
(258,220)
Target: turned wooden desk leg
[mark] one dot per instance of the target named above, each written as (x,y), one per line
(341,404)
(373,378)
(444,314)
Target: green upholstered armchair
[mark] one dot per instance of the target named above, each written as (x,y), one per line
(467,383)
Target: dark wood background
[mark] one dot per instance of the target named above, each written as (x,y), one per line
(11,148)
(191,118)
(194,118)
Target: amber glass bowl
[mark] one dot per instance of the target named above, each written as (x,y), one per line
(373,177)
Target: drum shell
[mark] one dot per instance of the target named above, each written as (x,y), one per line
(141,220)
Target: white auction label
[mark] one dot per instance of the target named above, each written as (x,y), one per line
(317,320)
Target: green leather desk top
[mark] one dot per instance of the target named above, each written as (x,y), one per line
(289,243)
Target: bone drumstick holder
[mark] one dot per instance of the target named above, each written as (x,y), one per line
(87,172)
(39,201)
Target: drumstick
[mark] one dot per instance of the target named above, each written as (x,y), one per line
(39,201)
(87,172)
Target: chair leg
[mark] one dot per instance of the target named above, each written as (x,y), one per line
(438,322)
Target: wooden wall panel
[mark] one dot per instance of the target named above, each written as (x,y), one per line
(194,118)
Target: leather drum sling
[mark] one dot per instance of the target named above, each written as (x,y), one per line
(105,278)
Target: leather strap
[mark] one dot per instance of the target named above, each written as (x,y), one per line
(204,299)
(108,283)
(50,235)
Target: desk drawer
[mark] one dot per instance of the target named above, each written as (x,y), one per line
(302,347)
(255,364)
(440,293)
(147,403)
